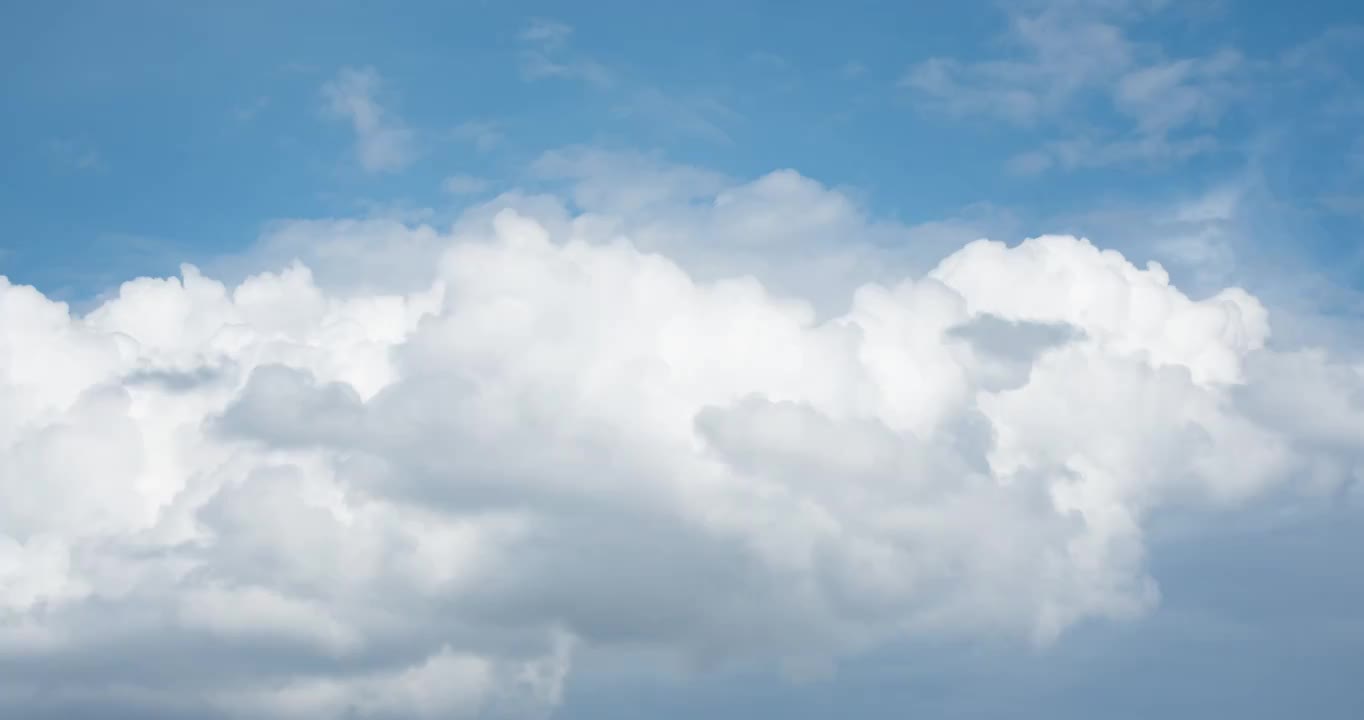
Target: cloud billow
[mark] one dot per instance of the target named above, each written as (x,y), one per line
(288,497)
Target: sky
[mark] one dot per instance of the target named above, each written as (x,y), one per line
(736,359)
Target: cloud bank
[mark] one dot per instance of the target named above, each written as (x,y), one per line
(411,474)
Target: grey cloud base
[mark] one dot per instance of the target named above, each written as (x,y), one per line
(300,497)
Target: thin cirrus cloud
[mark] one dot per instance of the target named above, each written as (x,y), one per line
(418,472)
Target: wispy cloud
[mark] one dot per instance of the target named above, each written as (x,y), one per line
(382,142)
(1332,53)
(1066,56)
(1163,97)
(464,184)
(693,115)
(769,61)
(75,154)
(482,134)
(1350,205)
(546,54)
(1082,152)
(1328,66)
(1058,54)
(546,33)
(248,111)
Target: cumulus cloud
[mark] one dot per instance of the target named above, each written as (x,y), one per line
(413,473)
(382,142)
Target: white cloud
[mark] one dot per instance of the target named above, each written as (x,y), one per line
(382,142)
(791,227)
(708,418)
(1233,230)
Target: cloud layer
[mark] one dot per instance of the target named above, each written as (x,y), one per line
(410,481)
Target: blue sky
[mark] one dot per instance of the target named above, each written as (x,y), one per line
(161,129)
(1222,139)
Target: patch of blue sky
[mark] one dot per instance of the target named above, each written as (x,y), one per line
(188,126)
